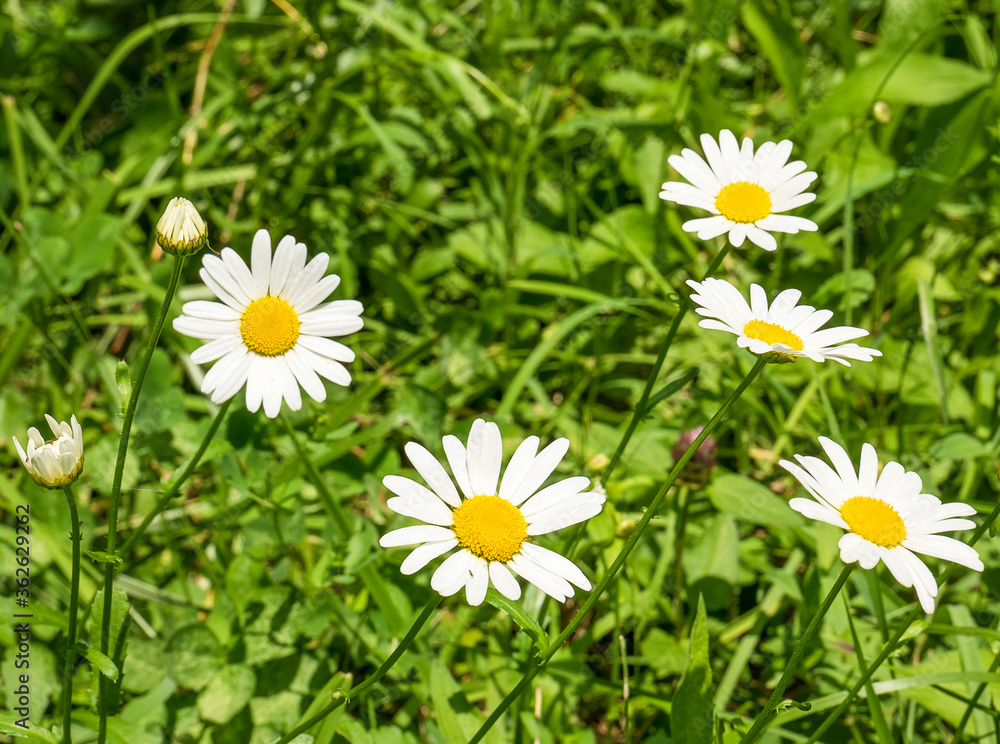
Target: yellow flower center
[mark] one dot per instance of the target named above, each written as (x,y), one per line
(269,326)
(874,520)
(490,527)
(770,333)
(743,202)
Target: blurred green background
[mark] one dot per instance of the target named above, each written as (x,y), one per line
(485,178)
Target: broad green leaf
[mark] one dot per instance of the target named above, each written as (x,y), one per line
(663,653)
(958,446)
(101,466)
(919,80)
(851,288)
(926,80)
(750,501)
(780,43)
(31,732)
(692,720)
(118,630)
(193,656)
(227,693)
(456,716)
(151,707)
(904,22)
(649,165)
(712,564)
(93,239)
(634,83)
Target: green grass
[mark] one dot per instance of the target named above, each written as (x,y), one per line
(485,179)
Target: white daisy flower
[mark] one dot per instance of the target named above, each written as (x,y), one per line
(886,516)
(270,331)
(747,193)
(57,463)
(783,329)
(492,527)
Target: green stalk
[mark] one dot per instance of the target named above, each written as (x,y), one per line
(369,576)
(891,644)
(116,487)
(74,602)
(173,486)
(343,698)
(619,561)
(654,373)
(683,504)
(763,718)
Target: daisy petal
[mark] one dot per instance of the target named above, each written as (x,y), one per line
(518,467)
(421,555)
(478,583)
(555,586)
(557,564)
(260,261)
(453,574)
(433,473)
(420,533)
(483,457)
(541,468)
(505,583)
(455,452)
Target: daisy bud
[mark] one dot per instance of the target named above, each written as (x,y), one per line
(598,462)
(625,528)
(181,230)
(56,463)
(882,112)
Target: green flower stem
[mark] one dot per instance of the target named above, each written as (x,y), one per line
(340,698)
(74,602)
(116,486)
(173,486)
(891,644)
(371,579)
(654,373)
(683,506)
(763,719)
(619,561)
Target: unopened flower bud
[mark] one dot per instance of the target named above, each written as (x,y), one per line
(701,464)
(625,527)
(56,463)
(598,462)
(181,230)
(882,112)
